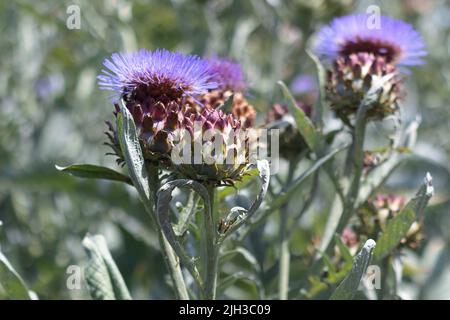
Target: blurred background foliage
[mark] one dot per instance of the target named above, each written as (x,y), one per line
(52,112)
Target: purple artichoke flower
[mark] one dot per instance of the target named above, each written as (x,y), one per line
(154,86)
(230,79)
(227,74)
(158,72)
(360,54)
(394,40)
(155,74)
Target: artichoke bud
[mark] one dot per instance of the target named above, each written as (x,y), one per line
(222,159)
(353,76)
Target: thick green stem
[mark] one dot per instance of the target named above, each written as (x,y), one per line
(385,265)
(173,265)
(285,255)
(358,155)
(285,259)
(212,248)
(170,258)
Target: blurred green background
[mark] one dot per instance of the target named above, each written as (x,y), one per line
(52,112)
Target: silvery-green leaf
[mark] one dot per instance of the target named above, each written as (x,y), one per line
(240,275)
(238,185)
(245,215)
(102,276)
(264,174)
(321,73)
(163,214)
(185,214)
(94,172)
(303,123)
(343,249)
(397,227)
(348,287)
(132,151)
(11,284)
(247,255)
(331,270)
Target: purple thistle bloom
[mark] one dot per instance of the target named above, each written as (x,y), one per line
(157,73)
(227,73)
(395,40)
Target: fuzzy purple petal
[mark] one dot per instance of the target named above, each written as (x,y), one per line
(227,73)
(124,72)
